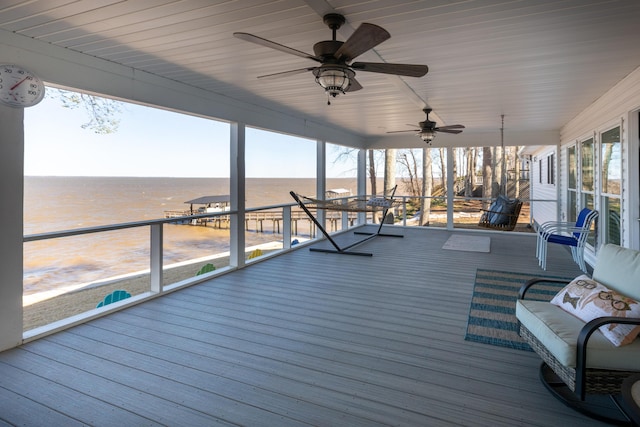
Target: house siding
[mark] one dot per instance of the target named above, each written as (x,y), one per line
(620,106)
(544,194)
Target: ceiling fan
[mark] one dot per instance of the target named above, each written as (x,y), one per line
(428,128)
(336,72)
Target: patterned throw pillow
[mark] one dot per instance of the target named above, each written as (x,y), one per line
(587,300)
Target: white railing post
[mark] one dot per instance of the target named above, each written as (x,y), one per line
(345,220)
(450,189)
(156,257)
(362,183)
(286,227)
(345,216)
(321,183)
(404,211)
(237,142)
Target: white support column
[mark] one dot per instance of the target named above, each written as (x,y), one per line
(450,183)
(362,181)
(11,225)
(237,184)
(321,180)
(156,257)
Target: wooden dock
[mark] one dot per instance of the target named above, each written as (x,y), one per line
(255,221)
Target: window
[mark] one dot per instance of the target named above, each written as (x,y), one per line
(547,169)
(587,163)
(611,185)
(540,171)
(551,169)
(572,182)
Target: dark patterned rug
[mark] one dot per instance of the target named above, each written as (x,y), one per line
(492,314)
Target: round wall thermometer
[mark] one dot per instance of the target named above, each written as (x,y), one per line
(19,87)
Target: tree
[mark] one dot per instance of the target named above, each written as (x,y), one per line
(427,186)
(454,172)
(487,172)
(496,166)
(346,153)
(606,162)
(372,171)
(102,112)
(470,177)
(408,160)
(443,167)
(389,169)
(420,188)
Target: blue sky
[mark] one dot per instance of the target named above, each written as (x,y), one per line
(154,142)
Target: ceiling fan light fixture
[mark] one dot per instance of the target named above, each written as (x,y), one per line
(335,74)
(427,135)
(334,79)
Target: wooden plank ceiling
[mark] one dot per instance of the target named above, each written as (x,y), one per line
(539,63)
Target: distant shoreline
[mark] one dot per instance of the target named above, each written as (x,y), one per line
(59,203)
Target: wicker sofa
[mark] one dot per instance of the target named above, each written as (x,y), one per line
(579,363)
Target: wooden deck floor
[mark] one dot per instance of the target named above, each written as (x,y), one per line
(305,338)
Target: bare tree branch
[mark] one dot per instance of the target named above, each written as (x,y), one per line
(103,113)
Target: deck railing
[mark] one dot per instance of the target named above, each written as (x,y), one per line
(464,212)
(284,220)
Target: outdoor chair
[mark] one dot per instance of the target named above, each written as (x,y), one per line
(569,234)
(586,335)
(255,254)
(502,214)
(114,296)
(207,268)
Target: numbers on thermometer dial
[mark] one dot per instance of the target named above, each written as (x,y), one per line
(19,87)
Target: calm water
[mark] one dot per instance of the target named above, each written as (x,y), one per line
(63,203)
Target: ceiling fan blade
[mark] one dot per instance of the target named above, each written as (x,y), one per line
(398,131)
(397,69)
(448,130)
(273,45)
(366,36)
(286,73)
(354,86)
(450,127)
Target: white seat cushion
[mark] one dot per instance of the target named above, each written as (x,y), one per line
(558,331)
(619,268)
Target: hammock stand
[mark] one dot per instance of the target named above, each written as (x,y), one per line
(357,205)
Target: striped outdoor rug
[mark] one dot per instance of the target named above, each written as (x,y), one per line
(492,314)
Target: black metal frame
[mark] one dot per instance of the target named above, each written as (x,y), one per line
(344,250)
(626,402)
(601,407)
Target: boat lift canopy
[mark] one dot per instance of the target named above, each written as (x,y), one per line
(205,200)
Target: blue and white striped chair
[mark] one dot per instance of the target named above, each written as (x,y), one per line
(566,233)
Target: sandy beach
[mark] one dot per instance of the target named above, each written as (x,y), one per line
(40,312)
